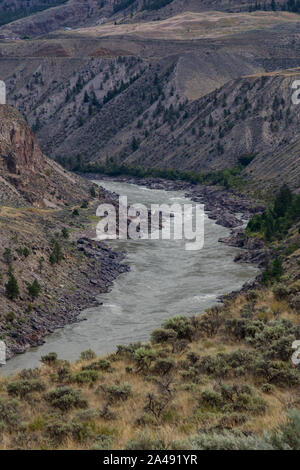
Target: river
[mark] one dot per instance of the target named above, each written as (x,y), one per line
(164,280)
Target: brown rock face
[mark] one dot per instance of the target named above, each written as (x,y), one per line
(19,150)
(26,175)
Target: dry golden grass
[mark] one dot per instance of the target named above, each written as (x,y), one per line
(190,25)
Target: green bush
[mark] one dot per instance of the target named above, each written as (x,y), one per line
(182,326)
(144,356)
(163,366)
(233,399)
(288,436)
(34,289)
(49,359)
(118,392)
(211,399)
(102,364)
(281,291)
(65,233)
(9,412)
(228,440)
(268,388)
(56,255)
(162,335)
(59,431)
(66,398)
(145,442)
(87,355)
(21,388)
(276,372)
(86,377)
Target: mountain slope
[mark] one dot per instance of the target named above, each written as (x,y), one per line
(253,114)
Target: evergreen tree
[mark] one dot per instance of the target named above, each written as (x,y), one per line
(283,201)
(56,256)
(34,289)
(11,287)
(7,256)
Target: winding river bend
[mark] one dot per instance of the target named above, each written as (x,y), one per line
(164,280)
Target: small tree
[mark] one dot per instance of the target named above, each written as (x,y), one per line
(56,256)
(65,232)
(93,191)
(11,287)
(7,256)
(26,252)
(34,289)
(41,263)
(283,200)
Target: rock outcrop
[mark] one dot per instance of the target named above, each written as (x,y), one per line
(26,175)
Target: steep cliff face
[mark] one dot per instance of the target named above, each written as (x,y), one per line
(26,175)
(18,148)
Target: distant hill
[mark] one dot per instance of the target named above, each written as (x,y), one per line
(12,10)
(37,17)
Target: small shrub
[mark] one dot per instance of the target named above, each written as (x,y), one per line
(49,359)
(65,233)
(268,388)
(30,373)
(144,442)
(228,440)
(86,377)
(182,325)
(118,392)
(87,355)
(21,388)
(211,399)
(163,335)
(102,364)
(66,398)
(9,412)
(163,366)
(144,357)
(281,291)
